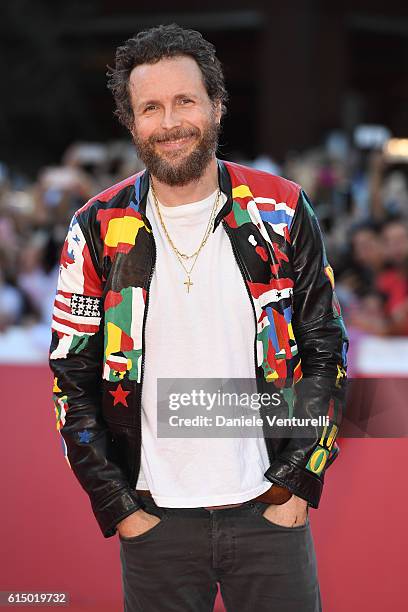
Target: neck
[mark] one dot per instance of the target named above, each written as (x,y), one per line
(176,195)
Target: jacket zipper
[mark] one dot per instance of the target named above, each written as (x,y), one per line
(244,276)
(133,480)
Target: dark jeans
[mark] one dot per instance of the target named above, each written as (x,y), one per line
(260,566)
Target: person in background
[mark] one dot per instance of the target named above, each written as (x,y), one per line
(358,272)
(11,303)
(367,253)
(392,282)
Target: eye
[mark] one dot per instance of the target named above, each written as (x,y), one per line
(150,107)
(185,101)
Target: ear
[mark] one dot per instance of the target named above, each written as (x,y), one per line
(132,129)
(217,111)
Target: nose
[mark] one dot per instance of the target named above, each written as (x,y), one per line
(170,118)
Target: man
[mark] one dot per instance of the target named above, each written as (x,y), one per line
(196,268)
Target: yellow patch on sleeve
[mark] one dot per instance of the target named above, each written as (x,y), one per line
(124,230)
(56,388)
(332,436)
(330,275)
(114,338)
(242,191)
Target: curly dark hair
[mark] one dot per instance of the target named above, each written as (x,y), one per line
(149,47)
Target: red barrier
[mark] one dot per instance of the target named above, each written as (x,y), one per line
(51,542)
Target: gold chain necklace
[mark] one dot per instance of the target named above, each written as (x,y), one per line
(180,256)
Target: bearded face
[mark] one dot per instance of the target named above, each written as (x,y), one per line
(176,125)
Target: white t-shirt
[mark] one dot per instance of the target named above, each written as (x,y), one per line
(207,332)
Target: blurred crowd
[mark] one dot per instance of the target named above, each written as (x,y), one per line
(359,191)
(34,219)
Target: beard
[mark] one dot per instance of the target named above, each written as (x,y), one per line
(176,168)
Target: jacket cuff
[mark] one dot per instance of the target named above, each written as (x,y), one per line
(300,482)
(115,509)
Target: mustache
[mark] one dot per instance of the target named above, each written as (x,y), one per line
(175,134)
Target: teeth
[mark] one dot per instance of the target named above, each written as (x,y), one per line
(177,140)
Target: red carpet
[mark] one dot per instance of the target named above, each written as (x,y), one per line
(51,542)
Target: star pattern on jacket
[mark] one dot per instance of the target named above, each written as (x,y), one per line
(84,436)
(119,395)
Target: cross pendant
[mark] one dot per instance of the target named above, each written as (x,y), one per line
(188,283)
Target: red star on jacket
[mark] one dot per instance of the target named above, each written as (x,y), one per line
(119,395)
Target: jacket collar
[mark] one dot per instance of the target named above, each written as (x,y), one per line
(142,185)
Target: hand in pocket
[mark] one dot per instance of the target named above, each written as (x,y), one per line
(291,514)
(137,524)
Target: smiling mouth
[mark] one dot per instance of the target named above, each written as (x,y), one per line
(176,143)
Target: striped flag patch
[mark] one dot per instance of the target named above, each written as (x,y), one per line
(76,314)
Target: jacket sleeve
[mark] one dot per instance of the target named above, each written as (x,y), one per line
(322,343)
(76,356)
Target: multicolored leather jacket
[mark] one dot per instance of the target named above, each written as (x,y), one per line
(97,351)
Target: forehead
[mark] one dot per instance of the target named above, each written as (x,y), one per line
(167,77)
